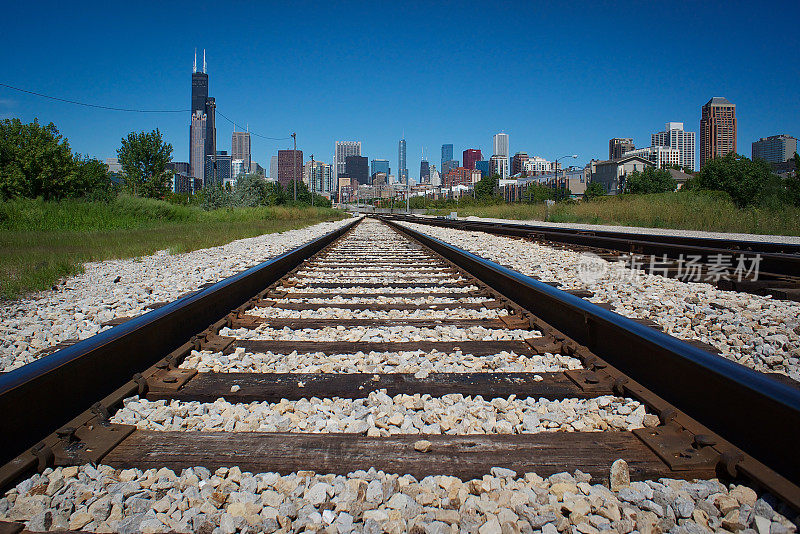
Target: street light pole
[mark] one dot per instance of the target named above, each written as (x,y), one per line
(294,165)
(408,193)
(555,169)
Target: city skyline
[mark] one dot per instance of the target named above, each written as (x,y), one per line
(585,102)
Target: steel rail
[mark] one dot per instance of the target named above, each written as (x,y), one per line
(40,397)
(755,413)
(743,245)
(776,258)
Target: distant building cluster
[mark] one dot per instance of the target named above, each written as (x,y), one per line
(352,175)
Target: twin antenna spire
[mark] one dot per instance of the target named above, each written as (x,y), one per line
(194,66)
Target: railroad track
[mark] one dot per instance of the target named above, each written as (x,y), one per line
(765,268)
(377,350)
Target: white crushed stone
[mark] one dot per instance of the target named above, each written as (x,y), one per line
(79,305)
(103,499)
(241,361)
(378,414)
(759,332)
(370,290)
(402,334)
(343,313)
(420,301)
(375,279)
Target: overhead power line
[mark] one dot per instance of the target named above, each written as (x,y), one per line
(97,106)
(251,131)
(130,110)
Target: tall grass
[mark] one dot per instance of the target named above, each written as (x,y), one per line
(709,211)
(122,212)
(44,241)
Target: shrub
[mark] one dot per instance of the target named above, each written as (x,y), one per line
(747,182)
(650,181)
(594,190)
(36,161)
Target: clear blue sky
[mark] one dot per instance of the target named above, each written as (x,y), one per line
(558,79)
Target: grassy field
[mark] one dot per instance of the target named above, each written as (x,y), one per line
(44,241)
(690,211)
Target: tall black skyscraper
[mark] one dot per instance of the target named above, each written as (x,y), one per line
(424,171)
(357,167)
(202,130)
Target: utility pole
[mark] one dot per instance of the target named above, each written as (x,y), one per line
(294,165)
(312,181)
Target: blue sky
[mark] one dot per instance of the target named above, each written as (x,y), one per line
(558,78)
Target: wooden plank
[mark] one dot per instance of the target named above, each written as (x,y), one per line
(466,457)
(253,322)
(272,387)
(476,348)
(492,304)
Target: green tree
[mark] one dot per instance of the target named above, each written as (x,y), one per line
(485,188)
(793,182)
(594,190)
(215,196)
(144,157)
(650,180)
(91,180)
(303,194)
(250,190)
(275,194)
(537,193)
(746,181)
(35,161)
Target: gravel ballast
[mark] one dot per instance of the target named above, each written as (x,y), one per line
(415,362)
(759,332)
(123,288)
(381,415)
(103,499)
(342,313)
(400,334)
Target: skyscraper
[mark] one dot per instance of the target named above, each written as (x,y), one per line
(447,154)
(290,165)
(470,156)
(618,146)
(518,163)
(498,165)
(379,165)
(775,148)
(717,129)
(448,165)
(402,170)
(197,145)
(500,142)
(344,149)
(357,168)
(240,148)
(273,168)
(218,168)
(202,129)
(674,136)
(317,176)
(424,171)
